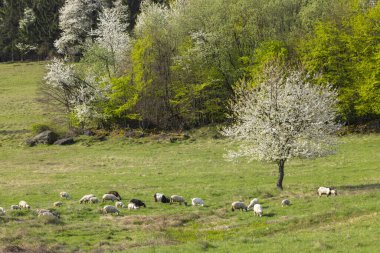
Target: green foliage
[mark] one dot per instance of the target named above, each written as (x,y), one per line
(345,53)
(186,56)
(268,53)
(40,127)
(123,99)
(42,32)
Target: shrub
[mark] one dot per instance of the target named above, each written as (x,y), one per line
(40,127)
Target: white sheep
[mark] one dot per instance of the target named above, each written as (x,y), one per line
(64,195)
(158,196)
(197,201)
(238,205)
(132,206)
(258,210)
(86,198)
(252,203)
(111,197)
(23,204)
(47,213)
(15,207)
(58,204)
(110,209)
(326,191)
(2,211)
(177,199)
(119,204)
(41,211)
(93,200)
(285,202)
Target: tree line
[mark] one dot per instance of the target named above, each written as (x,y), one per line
(177,63)
(28,28)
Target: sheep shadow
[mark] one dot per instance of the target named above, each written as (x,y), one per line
(361,187)
(269,214)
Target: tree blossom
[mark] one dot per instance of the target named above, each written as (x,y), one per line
(76,20)
(111,33)
(282,118)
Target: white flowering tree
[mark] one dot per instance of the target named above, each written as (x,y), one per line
(24,46)
(76,20)
(76,94)
(284,117)
(83,88)
(61,83)
(112,36)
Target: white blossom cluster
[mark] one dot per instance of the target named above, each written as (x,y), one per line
(78,95)
(283,117)
(60,75)
(29,17)
(152,15)
(111,32)
(75,21)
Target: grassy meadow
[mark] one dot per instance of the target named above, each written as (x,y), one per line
(137,168)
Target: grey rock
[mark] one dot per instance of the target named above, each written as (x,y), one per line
(65,141)
(46,137)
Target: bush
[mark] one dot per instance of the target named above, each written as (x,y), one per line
(40,127)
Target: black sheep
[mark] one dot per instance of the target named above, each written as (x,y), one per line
(164,199)
(137,202)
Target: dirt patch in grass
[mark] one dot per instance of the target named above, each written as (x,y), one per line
(158,222)
(18,249)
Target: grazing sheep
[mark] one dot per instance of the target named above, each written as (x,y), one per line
(326,191)
(137,202)
(64,195)
(178,199)
(93,200)
(58,204)
(48,214)
(165,199)
(197,201)
(252,203)
(23,204)
(40,211)
(132,206)
(258,210)
(238,205)
(115,193)
(119,204)
(110,197)
(159,197)
(15,207)
(110,209)
(285,202)
(2,211)
(86,198)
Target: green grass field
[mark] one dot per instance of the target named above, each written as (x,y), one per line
(137,168)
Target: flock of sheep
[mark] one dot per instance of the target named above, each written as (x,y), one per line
(133,204)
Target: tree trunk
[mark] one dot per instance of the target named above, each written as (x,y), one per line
(281,164)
